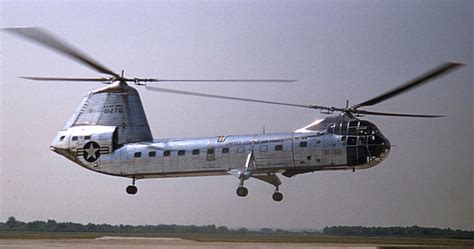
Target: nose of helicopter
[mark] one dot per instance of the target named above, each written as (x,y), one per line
(386,144)
(384,148)
(60,144)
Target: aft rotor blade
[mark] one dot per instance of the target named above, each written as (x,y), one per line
(418,81)
(64,79)
(229,80)
(396,114)
(181,92)
(46,39)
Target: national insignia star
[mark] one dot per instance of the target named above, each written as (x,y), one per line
(91,152)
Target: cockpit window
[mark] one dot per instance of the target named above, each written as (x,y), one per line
(337,129)
(331,129)
(344,128)
(353,123)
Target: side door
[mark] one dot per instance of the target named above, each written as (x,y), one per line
(168,161)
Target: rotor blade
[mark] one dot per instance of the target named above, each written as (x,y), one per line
(396,114)
(42,37)
(424,78)
(64,79)
(165,90)
(230,80)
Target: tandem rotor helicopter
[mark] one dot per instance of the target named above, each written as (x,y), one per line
(109,132)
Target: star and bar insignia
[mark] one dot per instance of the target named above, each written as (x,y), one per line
(92,151)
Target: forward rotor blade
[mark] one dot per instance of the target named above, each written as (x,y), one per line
(396,114)
(165,90)
(424,78)
(231,80)
(64,79)
(42,37)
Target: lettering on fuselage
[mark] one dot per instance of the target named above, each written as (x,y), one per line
(115,108)
(256,142)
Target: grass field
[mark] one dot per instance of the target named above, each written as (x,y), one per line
(320,239)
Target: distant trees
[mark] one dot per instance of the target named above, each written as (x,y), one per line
(413,231)
(13,224)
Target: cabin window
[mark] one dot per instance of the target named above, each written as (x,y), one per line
(181,152)
(196,152)
(263,148)
(62,138)
(278,147)
(166,153)
(241,149)
(138,154)
(225,150)
(211,156)
(74,138)
(87,137)
(152,153)
(303,144)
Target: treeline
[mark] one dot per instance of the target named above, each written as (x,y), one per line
(13,224)
(413,231)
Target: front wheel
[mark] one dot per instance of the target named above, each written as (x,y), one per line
(277,196)
(242,191)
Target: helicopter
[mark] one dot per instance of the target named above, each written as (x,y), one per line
(109,132)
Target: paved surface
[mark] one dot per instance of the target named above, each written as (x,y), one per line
(145,243)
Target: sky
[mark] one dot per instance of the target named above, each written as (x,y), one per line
(338,51)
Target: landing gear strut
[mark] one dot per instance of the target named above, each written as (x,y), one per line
(132,189)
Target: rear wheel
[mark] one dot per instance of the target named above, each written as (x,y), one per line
(131,190)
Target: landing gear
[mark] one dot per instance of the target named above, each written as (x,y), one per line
(277,196)
(242,191)
(132,189)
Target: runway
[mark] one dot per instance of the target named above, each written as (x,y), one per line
(146,243)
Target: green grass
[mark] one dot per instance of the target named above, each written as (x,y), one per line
(258,238)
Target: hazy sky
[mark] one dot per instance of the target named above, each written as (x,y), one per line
(337,50)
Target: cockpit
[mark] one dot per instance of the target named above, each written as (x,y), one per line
(366,145)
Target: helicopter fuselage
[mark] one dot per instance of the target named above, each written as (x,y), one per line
(342,144)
